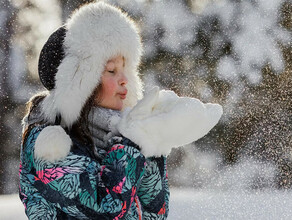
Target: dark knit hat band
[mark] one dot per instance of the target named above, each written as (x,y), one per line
(51,56)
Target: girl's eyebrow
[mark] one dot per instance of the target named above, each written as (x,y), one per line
(110,65)
(112,61)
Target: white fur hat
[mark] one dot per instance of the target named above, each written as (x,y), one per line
(94,34)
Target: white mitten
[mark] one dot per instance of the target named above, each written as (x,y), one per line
(162,120)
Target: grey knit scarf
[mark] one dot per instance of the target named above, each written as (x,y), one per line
(102,125)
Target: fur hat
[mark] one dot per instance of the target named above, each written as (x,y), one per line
(74,57)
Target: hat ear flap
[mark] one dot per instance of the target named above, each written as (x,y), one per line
(50,58)
(52,144)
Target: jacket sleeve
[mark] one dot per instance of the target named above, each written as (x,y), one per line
(78,185)
(154,190)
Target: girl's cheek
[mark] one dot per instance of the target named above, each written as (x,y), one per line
(110,87)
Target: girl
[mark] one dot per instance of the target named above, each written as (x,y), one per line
(88,151)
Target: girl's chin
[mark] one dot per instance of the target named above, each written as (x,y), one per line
(116,108)
(119,108)
(118,105)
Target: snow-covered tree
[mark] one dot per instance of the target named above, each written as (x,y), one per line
(232,52)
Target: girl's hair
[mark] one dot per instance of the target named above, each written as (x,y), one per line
(80,129)
(34,102)
(32,106)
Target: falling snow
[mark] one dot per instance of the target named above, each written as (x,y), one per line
(236,53)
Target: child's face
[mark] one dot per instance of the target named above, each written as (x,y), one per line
(113,82)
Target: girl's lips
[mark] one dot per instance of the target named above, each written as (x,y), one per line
(123,95)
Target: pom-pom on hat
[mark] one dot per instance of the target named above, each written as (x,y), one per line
(74,57)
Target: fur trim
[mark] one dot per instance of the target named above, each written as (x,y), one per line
(52,144)
(95,33)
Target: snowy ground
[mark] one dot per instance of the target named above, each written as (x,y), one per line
(194,204)
(188,204)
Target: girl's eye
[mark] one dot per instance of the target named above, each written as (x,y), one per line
(111,71)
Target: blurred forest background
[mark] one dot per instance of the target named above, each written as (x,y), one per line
(234,52)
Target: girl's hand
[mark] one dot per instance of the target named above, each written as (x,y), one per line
(162,120)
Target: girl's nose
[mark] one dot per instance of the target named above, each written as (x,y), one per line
(123,80)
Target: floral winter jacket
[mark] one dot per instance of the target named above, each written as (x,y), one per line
(124,185)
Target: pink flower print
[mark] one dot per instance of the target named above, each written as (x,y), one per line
(116,147)
(133,194)
(49,175)
(102,168)
(162,210)
(118,188)
(20,168)
(124,209)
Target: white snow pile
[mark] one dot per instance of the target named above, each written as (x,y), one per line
(205,170)
(200,204)
(225,205)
